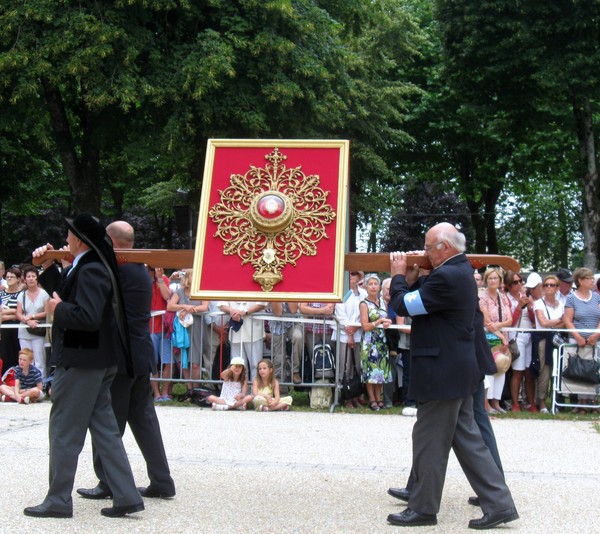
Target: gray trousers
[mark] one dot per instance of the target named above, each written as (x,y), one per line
(448,424)
(81,401)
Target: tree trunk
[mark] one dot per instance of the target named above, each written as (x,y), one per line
(490,199)
(478,223)
(589,179)
(83,174)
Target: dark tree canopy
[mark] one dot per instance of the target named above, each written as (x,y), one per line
(424,204)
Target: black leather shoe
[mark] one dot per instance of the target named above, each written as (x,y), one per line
(152,493)
(99,492)
(410,518)
(495,519)
(120,511)
(399,493)
(44,511)
(474,501)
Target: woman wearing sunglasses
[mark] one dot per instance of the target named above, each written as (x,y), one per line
(522,317)
(549,311)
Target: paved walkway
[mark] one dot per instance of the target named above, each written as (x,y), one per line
(301,472)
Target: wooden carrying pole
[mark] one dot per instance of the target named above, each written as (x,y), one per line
(353,261)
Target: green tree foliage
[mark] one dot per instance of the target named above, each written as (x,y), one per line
(131,90)
(533,63)
(424,204)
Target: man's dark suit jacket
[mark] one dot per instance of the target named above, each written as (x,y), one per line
(84,329)
(442,342)
(136,287)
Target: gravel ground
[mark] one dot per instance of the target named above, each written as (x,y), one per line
(246,472)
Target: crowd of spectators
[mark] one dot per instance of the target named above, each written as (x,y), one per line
(536,308)
(288,335)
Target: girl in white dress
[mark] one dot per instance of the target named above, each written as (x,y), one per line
(234,392)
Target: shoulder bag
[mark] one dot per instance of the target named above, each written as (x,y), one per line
(582,369)
(39,330)
(513,347)
(351,387)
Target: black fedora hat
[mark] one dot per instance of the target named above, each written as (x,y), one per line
(87,228)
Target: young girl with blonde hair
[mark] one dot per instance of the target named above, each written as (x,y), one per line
(265,388)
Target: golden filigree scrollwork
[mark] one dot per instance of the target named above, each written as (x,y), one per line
(272,216)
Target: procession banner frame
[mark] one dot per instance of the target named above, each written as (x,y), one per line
(317,274)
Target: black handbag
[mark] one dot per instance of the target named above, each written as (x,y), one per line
(38,331)
(579,369)
(351,387)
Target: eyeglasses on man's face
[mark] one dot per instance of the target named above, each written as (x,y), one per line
(516,282)
(427,248)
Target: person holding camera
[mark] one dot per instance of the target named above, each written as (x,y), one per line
(162,344)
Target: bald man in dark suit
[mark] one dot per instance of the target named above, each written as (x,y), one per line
(444,376)
(132,399)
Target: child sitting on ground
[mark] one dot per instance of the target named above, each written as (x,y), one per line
(234,392)
(265,388)
(28,381)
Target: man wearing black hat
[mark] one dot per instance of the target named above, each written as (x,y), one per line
(89,335)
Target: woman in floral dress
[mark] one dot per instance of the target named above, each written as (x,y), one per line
(374,353)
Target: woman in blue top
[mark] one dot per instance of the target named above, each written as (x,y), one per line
(582,311)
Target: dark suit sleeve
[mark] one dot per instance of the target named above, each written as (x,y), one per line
(50,279)
(86,312)
(429,295)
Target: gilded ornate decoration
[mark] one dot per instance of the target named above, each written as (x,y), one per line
(272,216)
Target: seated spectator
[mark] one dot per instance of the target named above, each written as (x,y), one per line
(348,315)
(234,392)
(31,311)
(181,304)
(162,343)
(246,334)
(28,381)
(497,314)
(9,338)
(374,353)
(284,334)
(265,388)
(522,317)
